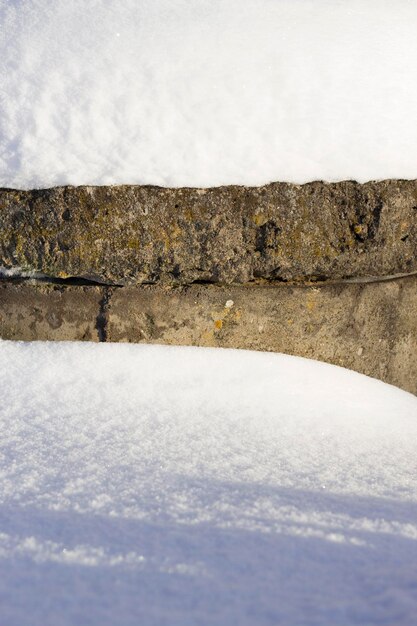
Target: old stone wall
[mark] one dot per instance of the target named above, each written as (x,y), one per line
(279,232)
(369,327)
(326,271)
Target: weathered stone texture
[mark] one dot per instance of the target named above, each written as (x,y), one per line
(259,268)
(370,327)
(47,312)
(140,234)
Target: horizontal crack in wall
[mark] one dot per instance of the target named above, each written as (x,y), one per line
(85,282)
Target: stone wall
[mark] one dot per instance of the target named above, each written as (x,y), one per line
(327,271)
(279,232)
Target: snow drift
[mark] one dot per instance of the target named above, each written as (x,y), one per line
(164,485)
(206,92)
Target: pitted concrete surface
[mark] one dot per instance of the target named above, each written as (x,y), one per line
(234,235)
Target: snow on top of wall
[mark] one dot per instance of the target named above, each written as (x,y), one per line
(206,92)
(155,485)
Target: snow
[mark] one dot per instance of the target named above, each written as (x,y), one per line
(19,272)
(206,92)
(157,485)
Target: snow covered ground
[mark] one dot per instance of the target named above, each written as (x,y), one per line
(156,485)
(206,92)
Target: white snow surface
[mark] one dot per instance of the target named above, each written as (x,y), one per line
(184,486)
(206,92)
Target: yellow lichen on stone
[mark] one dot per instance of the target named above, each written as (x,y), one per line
(361,229)
(133,244)
(259,219)
(176,233)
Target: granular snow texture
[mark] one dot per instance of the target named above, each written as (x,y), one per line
(206,92)
(183,486)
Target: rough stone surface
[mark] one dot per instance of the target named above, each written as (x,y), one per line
(369,327)
(279,232)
